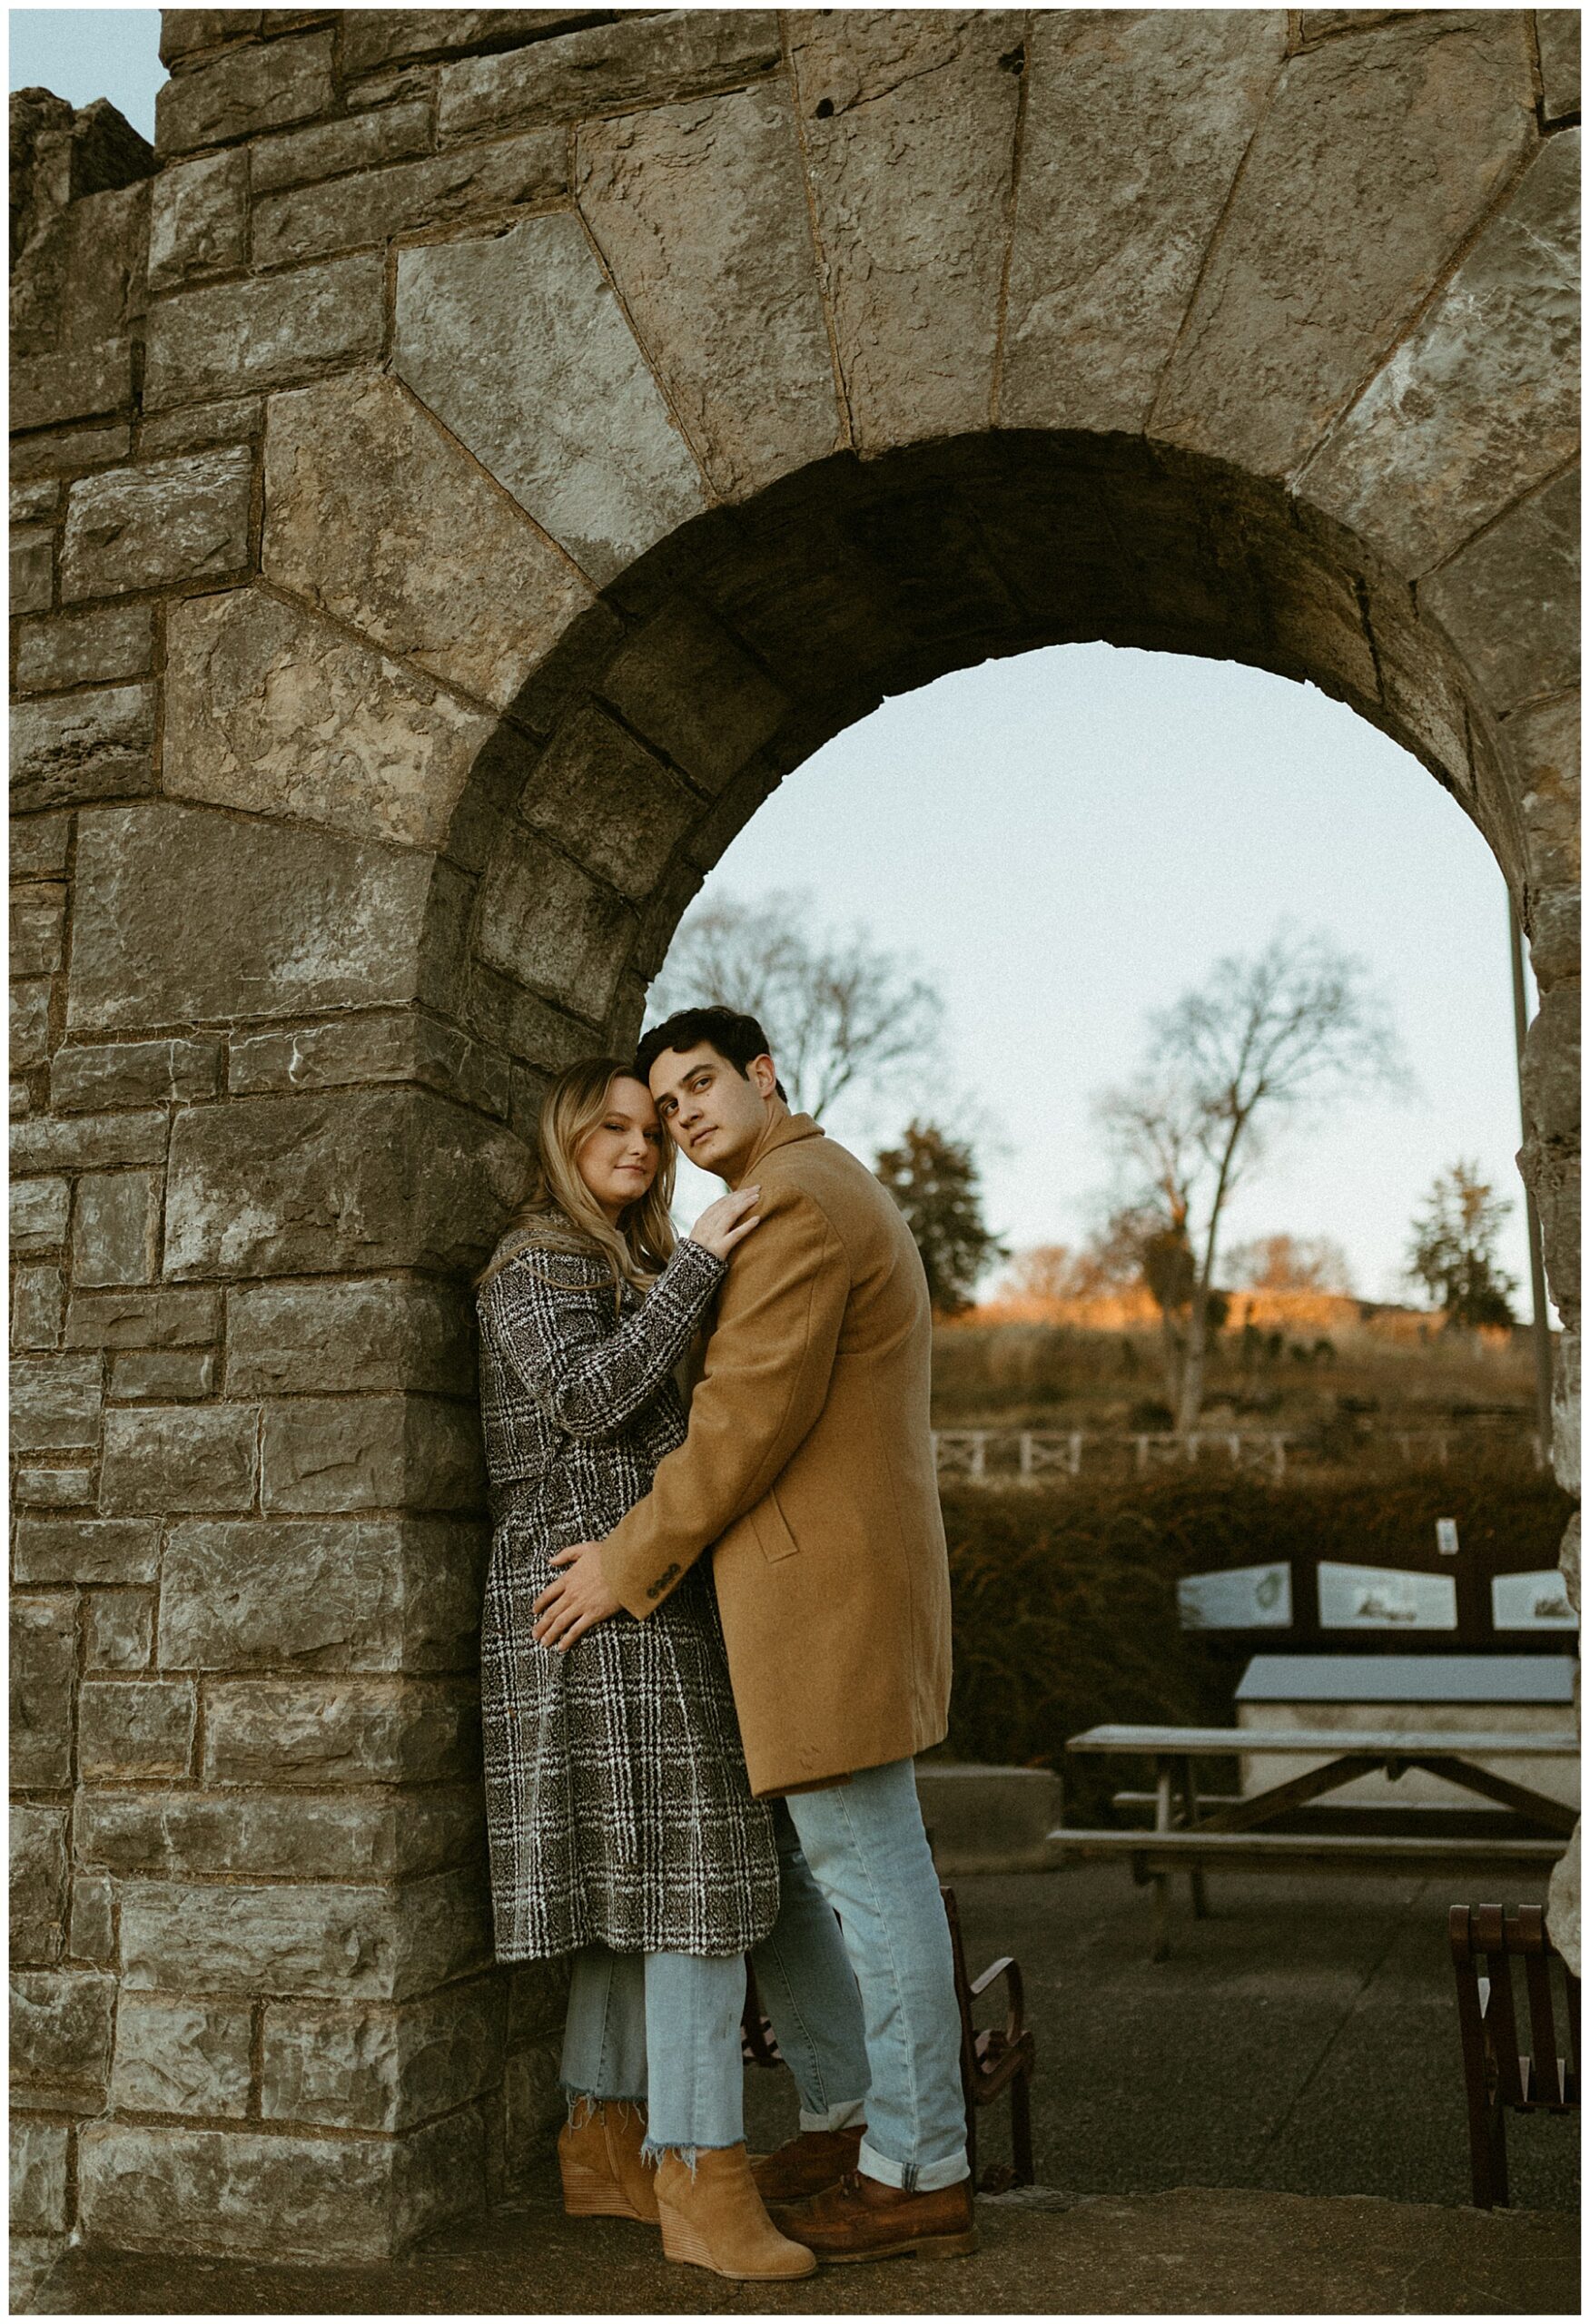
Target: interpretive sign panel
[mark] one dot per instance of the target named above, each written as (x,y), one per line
(1531,1601)
(1382,1597)
(1245,1597)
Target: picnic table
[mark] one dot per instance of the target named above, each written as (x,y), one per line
(1192,1830)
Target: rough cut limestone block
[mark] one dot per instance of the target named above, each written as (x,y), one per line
(38,1308)
(43,1651)
(394,133)
(700,212)
(350,1836)
(273,331)
(607,68)
(1374,160)
(1482,401)
(184,914)
(909,122)
(377,1045)
(94,745)
(383,2069)
(82,382)
(1136,121)
(347,1183)
(547,926)
(685,684)
(1556,31)
(92,1924)
(355,1594)
(38,919)
(245,90)
(56,1403)
(157,1459)
(374,205)
(38,1884)
(183,32)
(322,1454)
(38,2176)
(198,220)
(374,37)
(118,1629)
(33,567)
(61,2036)
(65,451)
(134,1073)
(89,1141)
(609,802)
(383,1333)
(340,1942)
(272,712)
(275,2196)
(377,517)
(133,1318)
(135,1726)
(56,1484)
(171,520)
(1510,601)
(194,427)
(86,1549)
(517,344)
(320,1731)
(115,1228)
(40,844)
(163,1375)
(29,1022)
(75,649)
(180,2057)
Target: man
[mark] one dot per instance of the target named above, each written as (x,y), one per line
(808,1473)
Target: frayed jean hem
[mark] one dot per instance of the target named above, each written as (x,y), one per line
(584,2103)
(652,2152)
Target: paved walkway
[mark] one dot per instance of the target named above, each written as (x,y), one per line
(1269,2120)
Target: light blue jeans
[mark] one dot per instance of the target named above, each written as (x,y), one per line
(664,2027)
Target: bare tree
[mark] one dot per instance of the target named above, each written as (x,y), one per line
(842,1016)
(1289,1263)
(1260,1041)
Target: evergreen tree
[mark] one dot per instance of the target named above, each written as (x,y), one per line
(934,1178)
(1453,1250)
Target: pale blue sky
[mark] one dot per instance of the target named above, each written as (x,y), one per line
(1066,841)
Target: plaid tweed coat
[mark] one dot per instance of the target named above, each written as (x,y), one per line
(617,1807)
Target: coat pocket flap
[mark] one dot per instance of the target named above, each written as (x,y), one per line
(774,1537)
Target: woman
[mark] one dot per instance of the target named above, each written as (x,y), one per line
(621,1824)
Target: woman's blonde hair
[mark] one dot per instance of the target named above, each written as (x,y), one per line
(559,1210)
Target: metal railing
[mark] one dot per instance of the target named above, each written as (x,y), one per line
(1030,1455)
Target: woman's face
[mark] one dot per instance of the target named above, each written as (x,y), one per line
(619,1158)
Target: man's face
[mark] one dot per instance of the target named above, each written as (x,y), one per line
(713,1112)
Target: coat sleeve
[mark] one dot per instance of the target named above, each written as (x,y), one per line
(588,1376)
(768,1365)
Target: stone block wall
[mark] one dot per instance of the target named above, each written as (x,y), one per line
(456,475)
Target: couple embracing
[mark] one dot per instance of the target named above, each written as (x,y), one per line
(711,1647)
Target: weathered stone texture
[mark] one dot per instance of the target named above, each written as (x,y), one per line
(75,649)
(391,1332)
(394,133)
(133,1073)
(383,2069)
(326,1454)
(96,745)
(272,712)
(171,520)
(44,1668)
(372,206)
(275,2196)
(351,1835)
(318,1731)
(543,923)
(67,451)
(357,1595)
(38,2176)
(1137,120)
(699,210)
(29,1022)
(377,518)
(55,1402)
(199,220)
(685,684)
(1543,745)
(163,1375)
(1482,401)
(38,1884)
(157,1459)
(248,89)
(89,1550)
(136,1319)
(38,920)
(304,1938)
(609,803)
(606,69)
(89,1141)
(61,2036)
(349,1183)
(181,2057)
(909,121)
(115,1228)
(93,1921)
(54,1484)
(1556,32)
(33,567)
(187,915)
(374,37)
(135,1726)
(40,844)
(1370,167)
(118,1630)
(376,1045)
(271,332)
(517,344)
(1510,601)
(38,1308)
(195,426)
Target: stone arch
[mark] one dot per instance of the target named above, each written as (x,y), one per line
(487,453)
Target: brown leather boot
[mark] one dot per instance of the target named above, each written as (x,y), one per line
(713,2218)
(806,2164)
(599,2160)
(861,2219)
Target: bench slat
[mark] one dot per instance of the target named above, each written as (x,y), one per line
(1330,1742)
(1346,1851)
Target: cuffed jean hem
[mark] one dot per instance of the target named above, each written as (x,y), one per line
(913,2178)
(842,2117)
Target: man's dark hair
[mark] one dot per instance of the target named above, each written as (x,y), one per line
(738,1038)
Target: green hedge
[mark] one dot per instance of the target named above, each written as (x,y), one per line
(1064,1601)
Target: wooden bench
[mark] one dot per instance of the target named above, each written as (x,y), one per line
(1497,2073)
(1258,1831)
(997,2061)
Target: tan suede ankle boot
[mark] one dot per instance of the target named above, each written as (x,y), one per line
(713,2218)
(599,2160)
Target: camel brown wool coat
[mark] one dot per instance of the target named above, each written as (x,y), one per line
(808,1470)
